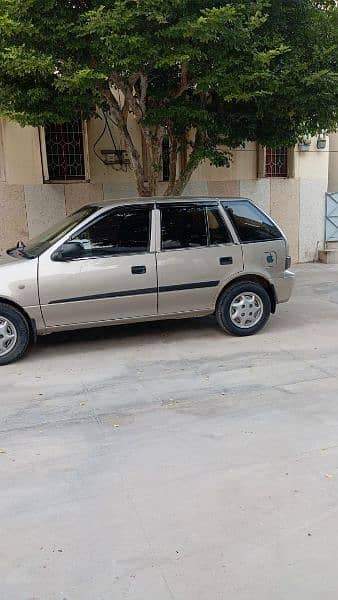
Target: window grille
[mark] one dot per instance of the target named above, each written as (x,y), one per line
(65,151)
(276,162)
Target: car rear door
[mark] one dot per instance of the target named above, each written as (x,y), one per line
(115,278)
(196,254)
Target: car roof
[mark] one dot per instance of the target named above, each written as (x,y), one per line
(161,200)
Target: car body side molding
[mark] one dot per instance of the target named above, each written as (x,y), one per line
(139,292)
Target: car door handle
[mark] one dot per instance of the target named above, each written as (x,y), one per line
(138,270)
(225,260)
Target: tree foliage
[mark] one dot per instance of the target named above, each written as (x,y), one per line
(218,72)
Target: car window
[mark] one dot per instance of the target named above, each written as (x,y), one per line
(218,232)
(183,227)
(251,224)
(124,230)
(47,238)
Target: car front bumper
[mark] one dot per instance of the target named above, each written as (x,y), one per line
(284,286)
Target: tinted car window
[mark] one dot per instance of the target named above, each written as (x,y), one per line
(183,227)
(218,232)
(250,223)
(124,230)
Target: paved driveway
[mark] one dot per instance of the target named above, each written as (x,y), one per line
(169,461)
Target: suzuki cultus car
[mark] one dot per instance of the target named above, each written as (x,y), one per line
(142,260)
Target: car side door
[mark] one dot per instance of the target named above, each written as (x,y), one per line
(114,276)
(197,254)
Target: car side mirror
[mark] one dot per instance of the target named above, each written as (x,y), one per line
(69,251)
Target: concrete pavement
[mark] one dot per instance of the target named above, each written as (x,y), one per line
(168,461)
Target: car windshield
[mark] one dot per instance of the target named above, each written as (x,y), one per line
(45,240)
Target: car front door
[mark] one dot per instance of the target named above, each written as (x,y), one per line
(197,254)
(114,276)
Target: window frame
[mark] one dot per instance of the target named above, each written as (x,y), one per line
(99,217)
(261,164)
(222,215)
(44,159)
(200,204)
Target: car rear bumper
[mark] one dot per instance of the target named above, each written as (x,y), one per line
(284,286)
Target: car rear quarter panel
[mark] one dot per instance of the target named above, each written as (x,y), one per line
(265,259)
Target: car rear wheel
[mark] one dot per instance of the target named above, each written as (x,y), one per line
(243,309)
(14,334)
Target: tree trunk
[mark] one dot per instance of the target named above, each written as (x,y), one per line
(153,139)
(121,114)
(184,177)
(136,163)
(172,165)
(176,186)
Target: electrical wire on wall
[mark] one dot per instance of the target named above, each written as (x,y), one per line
(120,162)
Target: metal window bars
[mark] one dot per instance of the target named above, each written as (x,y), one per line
(276,162)
(65,151)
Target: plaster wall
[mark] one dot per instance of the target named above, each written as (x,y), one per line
(28,206)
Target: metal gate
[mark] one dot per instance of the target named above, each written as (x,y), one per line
(331,217)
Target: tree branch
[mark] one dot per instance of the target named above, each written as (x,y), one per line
(127,91)
(184,84)
(140,89)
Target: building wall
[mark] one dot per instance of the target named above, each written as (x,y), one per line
(333,164)
(22,156)
(312,169)
(28,206)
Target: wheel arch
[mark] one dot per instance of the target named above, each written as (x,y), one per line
(265,283)
(30,322)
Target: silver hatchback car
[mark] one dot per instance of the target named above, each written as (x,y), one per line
(142,260)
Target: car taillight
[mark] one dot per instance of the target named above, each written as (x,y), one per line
(287,263)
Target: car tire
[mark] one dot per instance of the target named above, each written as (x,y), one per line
(243,309)
(14,334)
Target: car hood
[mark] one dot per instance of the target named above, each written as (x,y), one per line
(7,259)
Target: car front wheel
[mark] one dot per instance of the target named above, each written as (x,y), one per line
(14,334)
(243,309)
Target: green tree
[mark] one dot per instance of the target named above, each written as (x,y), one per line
(215,72)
